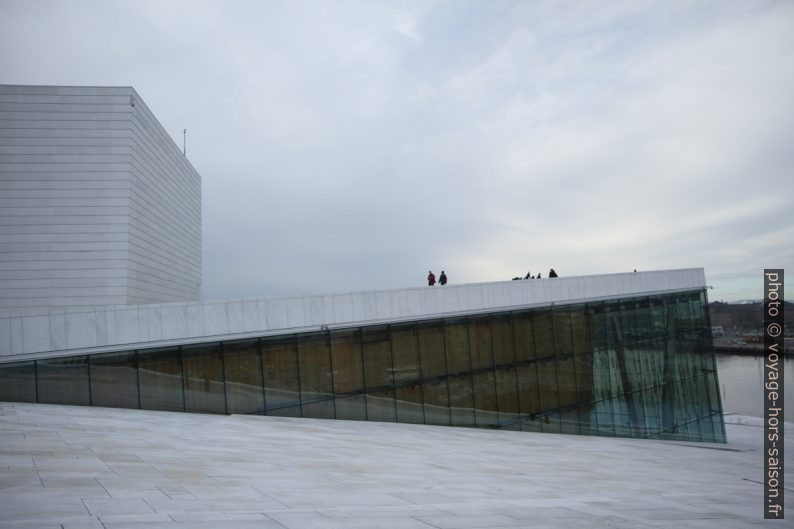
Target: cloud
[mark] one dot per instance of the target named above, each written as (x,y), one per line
(356,145)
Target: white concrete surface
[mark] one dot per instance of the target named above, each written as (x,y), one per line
(98,206)
(84,467)
(56,332)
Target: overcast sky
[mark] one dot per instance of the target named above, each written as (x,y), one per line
(357,145)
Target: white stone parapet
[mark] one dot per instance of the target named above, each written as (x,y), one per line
(43,333)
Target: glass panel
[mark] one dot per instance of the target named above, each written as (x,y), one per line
(280,365)
(377,357)
(533,423)
(598,325)
(566,382)
(563,342)
(319,410)
(407,374)
(314,364)
(431,350)
(524,336)
(502,337)
(547,386)
(485,409)
(160,377)
(528,390)
(544,334)
(346,359)
(18,382)
(587,425)
(461,401)
(507,393)
(380,406)
(204,385)
(551,423)
(569,421)
(480,343)
(456,343)
(289,411)
(436,401)
(351,408)
(63,380)
(583,351)
(243,368)
(405,353)
(114,380)
(409,404)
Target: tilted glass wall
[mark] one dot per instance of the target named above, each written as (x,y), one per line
(639,367)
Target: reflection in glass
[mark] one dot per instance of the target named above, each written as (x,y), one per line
(114,380)
(480,343)
(18,382)
(456,344)
(376,346)
(436,401)
(346,359)
(160,379)
(205,390)
(282,383)
(431,350)
(63,380)
(314,365)
(638,367)
(243,368)
(380,406)
(461,401)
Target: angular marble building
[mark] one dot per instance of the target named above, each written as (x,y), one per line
(100,276)
(98,206)
(627,355)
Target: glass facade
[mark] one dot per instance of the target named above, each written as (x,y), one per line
(639,367)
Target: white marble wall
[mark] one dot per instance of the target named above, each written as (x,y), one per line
(97,204)
(71,331)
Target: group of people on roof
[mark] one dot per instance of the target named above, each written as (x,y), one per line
(442,279)
(552,274)
(431,278)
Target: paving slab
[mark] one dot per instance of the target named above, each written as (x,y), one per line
(69,466)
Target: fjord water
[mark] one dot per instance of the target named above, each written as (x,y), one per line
(741,384)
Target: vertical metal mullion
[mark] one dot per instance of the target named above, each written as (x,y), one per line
(537,368)
(493,370)
(298,366)
(36,378)
(512,320)
(574,369)
(222,352)
(137,375)
(466,323)
(446,368)
(556,358)
(262,373)
(393,384)
(713,366)
(360,331)
(88,368)
(327,340)
(184,385)
(415,331)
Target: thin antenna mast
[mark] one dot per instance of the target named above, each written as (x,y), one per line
(184,142)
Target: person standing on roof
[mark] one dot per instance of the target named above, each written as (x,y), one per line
(431,279)
(442,279)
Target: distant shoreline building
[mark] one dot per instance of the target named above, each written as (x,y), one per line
(98,206)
